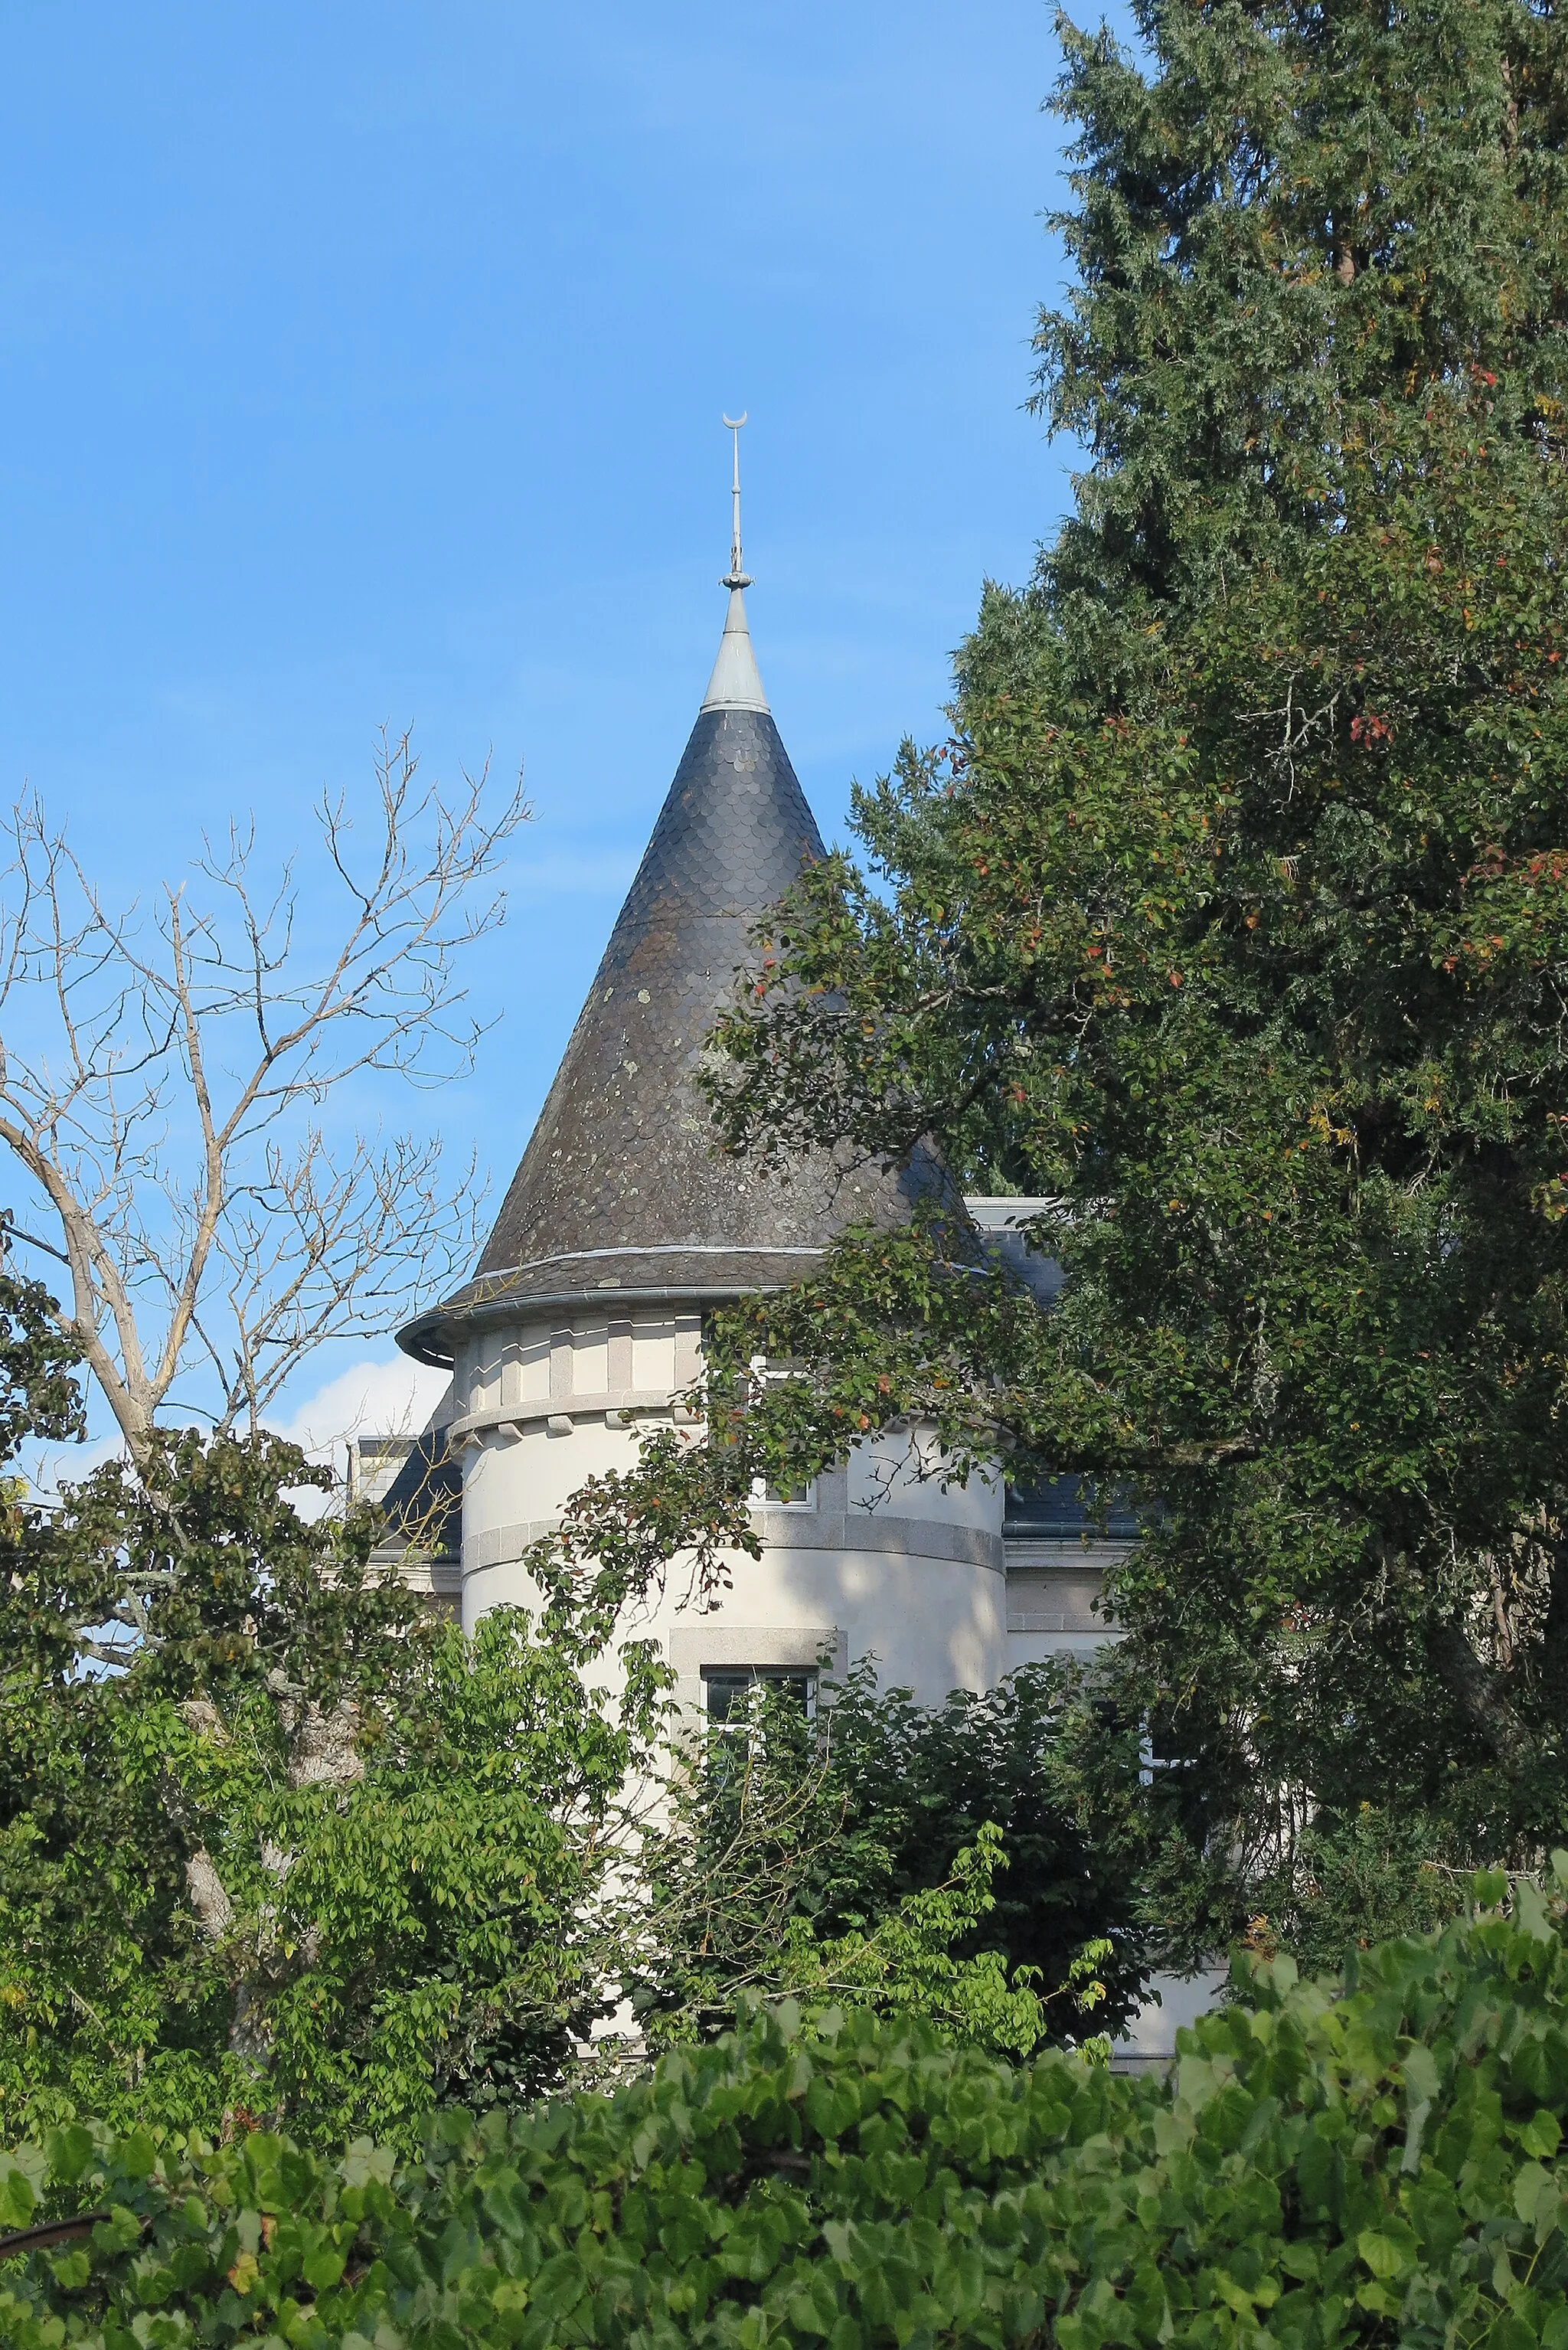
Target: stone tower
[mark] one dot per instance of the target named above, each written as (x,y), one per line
(583,1320)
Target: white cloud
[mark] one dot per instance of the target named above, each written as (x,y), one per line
(381,1396)
(390,1395)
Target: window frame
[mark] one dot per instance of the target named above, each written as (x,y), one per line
(750,1678)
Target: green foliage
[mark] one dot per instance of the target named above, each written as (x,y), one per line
(911,1962)
(1234,923)
(38,1391)
(908,1963)
(275,1844)
(1362,1878)
(271,1842)
(754,1867)
(1284,219)
(878,1812)
(1360,2162)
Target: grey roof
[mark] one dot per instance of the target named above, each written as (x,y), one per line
(423,1503)
(1004,1226)
(619,1188)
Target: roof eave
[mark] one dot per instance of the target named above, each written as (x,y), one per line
(423,1338)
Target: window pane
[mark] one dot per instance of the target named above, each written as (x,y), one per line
(1052,1509)
(783,1497)
(727,1689)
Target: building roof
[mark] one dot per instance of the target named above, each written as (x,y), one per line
(423,1502)
(620,1188)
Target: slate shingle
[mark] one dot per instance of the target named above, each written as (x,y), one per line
(620,1186)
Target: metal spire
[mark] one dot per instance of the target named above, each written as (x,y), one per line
(735,576)
(735,684)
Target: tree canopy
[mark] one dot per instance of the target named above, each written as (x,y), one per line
(1232,923)
(1359,2161)
(275,1846)
(270,1840)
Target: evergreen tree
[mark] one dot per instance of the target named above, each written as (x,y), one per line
(1234,921)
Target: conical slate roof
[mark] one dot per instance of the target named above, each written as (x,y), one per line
(620,1188)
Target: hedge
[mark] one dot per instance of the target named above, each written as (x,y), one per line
(1371,2159)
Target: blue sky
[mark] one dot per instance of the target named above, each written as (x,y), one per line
(366,363)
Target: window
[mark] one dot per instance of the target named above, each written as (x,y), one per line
(783,1497)
(1052,1509)
(1162,1747)
(727,1690)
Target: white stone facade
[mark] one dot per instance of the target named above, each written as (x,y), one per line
(878,1558)
(580,1330)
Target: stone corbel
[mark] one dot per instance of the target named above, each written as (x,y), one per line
(620,1407)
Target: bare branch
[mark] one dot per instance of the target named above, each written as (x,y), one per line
(164,1076)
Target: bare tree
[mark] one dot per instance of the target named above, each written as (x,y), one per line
(165,1078)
